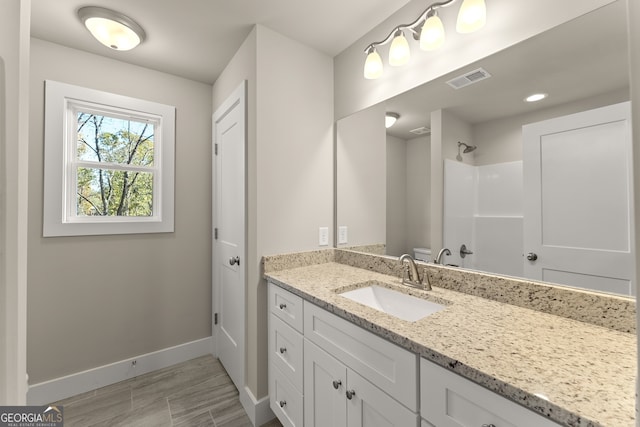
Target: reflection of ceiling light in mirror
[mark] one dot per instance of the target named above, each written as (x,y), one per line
(112,29)
(390,119)
(536,97)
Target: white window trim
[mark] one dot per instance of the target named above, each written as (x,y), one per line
(59,97)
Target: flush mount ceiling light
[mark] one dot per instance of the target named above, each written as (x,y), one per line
(536,97)
(390,119)
(112,29)
(428,29)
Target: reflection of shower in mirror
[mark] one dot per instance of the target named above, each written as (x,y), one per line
(467,149)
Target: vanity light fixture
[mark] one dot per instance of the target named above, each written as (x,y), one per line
(536,97)
(111,28)
(428,29)
(390,119)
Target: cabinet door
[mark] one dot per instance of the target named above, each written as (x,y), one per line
(324,388)
(368,406)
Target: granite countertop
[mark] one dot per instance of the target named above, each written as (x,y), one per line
(575,373)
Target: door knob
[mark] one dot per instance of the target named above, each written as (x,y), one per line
(532,256)
(234,260)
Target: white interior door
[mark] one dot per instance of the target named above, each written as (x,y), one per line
(578,217)
(229,262)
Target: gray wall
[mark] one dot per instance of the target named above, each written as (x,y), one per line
(95,300)
(361,152)
(289,164)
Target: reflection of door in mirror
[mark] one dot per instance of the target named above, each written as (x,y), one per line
(579,209)
(577,213)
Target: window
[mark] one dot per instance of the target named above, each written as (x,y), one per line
(109,163)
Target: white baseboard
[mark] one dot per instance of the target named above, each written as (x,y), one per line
(81,382)
(258,411)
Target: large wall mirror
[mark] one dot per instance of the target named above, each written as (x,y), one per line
(414,186)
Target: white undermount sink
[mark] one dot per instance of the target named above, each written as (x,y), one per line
(395,303)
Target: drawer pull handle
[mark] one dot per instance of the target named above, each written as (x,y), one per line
(351,393)
(337,384)
(283,306)
(282,403)
(488,425)
(282,350)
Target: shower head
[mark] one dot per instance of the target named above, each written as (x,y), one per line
(467,148)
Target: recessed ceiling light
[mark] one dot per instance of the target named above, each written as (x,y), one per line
(111,28)
(536,97)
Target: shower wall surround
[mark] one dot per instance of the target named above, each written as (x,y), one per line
(483,210)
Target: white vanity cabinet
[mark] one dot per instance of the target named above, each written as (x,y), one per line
(449,400)
(337,396)
(326,371)
(286,356)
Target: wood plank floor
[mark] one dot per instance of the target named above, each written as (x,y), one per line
(194,393)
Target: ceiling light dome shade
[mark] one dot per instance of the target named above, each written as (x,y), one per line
(472,16)
(390,119)
(399,52)
(112,29)
(373,65)
(432,33)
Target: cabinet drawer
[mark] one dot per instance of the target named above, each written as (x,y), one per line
(286,306)
(449,400)
(286,350)
(386,365)
(285,401)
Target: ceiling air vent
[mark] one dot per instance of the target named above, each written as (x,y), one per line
(469,78)
(424,130)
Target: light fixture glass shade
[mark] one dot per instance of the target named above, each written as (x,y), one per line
(472,16)
(390,119)
(112,29)
(432,33)
(399,52)
(373,65)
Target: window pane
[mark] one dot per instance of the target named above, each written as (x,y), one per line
(114,140)
(106,192)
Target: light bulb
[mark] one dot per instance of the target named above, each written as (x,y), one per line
(399,52)
(432,34)
(373,65)
(472,16)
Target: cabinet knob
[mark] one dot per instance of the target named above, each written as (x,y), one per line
(283,306)
(282,350)
(351,393)
(337,384)
(282,403)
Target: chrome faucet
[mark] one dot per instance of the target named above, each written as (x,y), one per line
(410,274)
(443,251)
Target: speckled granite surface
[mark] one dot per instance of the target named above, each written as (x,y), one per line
(585,372)
(611,311)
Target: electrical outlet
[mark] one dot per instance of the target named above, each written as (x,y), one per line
(342,235)
(323,236)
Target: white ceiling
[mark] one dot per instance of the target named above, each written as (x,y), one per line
(197,38)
